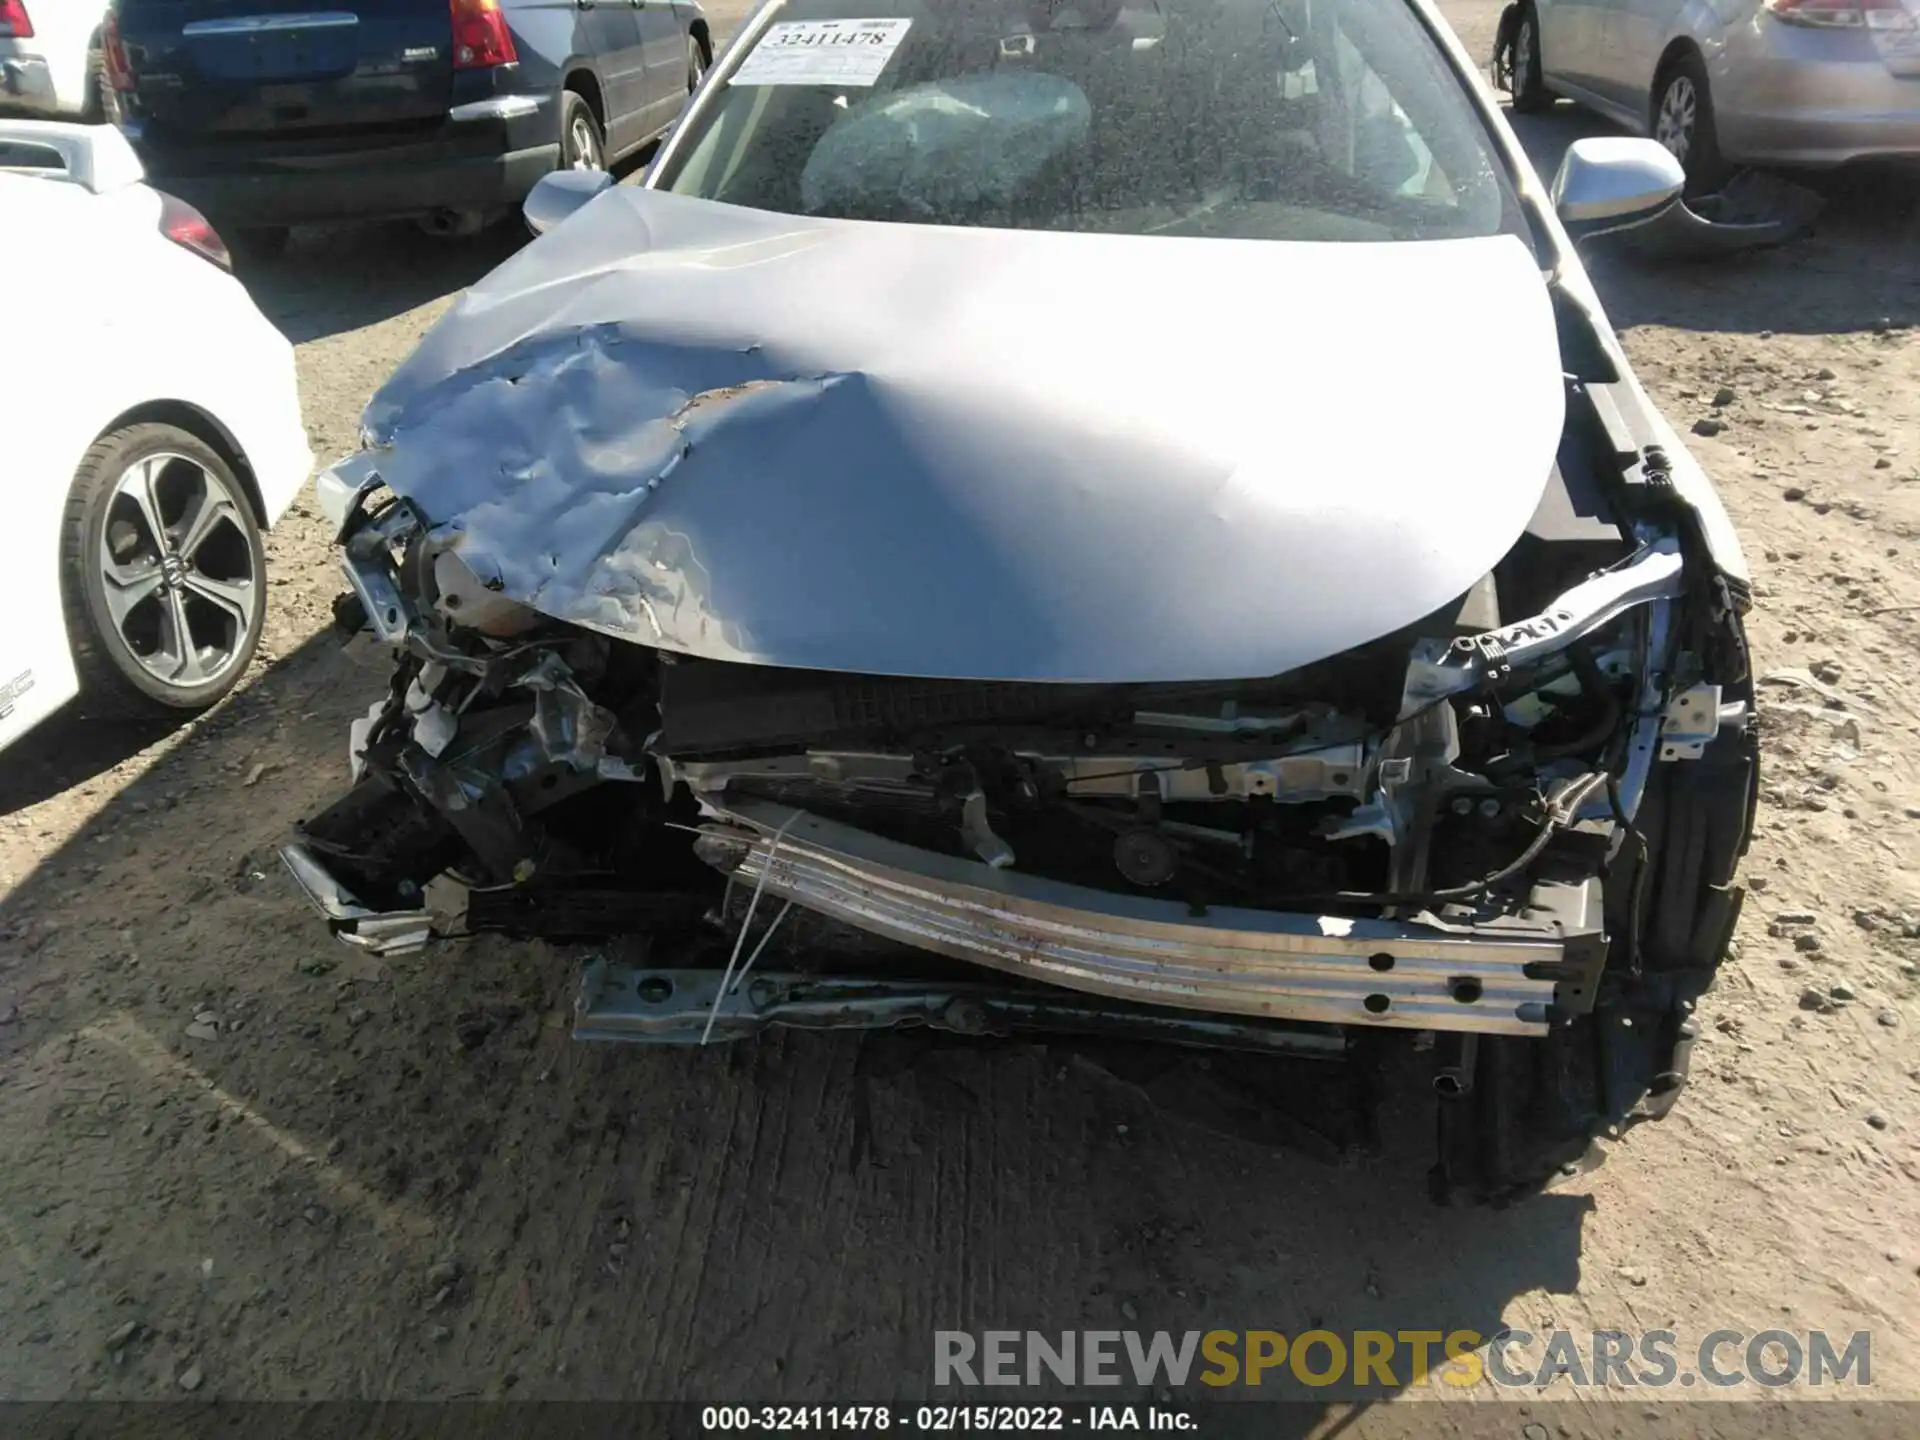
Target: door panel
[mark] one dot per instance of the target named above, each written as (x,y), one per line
(665,41)
(46,437)
(610,35)
(1570,32)
(1637,33)
(36,668)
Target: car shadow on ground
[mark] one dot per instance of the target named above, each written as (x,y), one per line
(337,278)
(1835,281)
(359,1177)
(68,750)
(345,277)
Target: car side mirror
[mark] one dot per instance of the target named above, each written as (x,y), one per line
(1611,183)
(556,196)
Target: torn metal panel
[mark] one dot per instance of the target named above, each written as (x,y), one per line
(567,727)
(756,437)
(393,932)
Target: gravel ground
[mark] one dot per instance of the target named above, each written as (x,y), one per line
(369,1179)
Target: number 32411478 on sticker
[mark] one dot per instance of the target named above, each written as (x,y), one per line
(823,52)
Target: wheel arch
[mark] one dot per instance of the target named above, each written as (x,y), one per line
(584,81)
(698,29)
(1679,48)
(204,428)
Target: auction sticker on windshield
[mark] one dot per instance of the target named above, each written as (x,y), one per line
(822,52)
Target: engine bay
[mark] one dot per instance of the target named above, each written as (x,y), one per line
(1480,767)
(1514,821)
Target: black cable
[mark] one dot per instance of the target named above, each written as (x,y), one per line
(1636,891)
(397,687)
(1593,683)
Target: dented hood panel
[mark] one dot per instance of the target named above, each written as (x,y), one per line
(979,454)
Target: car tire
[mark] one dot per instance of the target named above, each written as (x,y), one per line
(1681,118)
(696,63)
(93,110)
(582,144)
(1537,1106)
(160,624)
(1530,93)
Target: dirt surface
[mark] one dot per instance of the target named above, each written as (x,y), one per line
(235,1153)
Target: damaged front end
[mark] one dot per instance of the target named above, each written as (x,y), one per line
(1505,832)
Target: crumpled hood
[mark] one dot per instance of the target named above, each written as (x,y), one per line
(981,454)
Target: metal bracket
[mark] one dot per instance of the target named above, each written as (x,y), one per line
(671,1007)
(389,932)
(1459,1058)
(367,558)
(1491,655)
(1439,669)
(1691,721)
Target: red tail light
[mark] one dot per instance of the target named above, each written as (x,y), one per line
(114,54)
(14,20)
(1844,14)
(480,35)
(187,227)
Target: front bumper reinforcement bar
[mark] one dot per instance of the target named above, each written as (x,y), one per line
(670,1007)
(1322,968)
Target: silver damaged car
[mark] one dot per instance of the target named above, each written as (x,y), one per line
(1069,517)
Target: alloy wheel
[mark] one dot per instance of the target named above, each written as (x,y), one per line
(583,145)
(1679,113)
(1522,57)
(179,573)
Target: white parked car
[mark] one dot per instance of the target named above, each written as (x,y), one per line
(153,430)
(50,58)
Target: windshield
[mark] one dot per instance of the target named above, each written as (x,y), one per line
(1247,119)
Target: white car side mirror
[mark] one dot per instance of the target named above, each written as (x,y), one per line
(1609,183)
(554,197)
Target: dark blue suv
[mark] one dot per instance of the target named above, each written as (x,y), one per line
(268,113)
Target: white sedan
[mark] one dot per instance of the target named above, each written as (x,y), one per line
(153,431)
